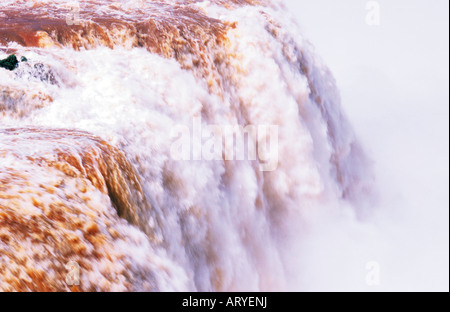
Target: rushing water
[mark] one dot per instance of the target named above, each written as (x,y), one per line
(87,175)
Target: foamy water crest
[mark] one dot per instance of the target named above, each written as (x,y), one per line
(86,139)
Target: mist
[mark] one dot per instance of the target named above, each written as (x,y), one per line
(393,78)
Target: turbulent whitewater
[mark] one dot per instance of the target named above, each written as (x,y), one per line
(86,131)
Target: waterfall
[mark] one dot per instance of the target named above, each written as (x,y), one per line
(90,121)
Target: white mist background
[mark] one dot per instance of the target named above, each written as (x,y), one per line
(393,80)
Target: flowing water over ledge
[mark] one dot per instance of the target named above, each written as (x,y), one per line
(86,173)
